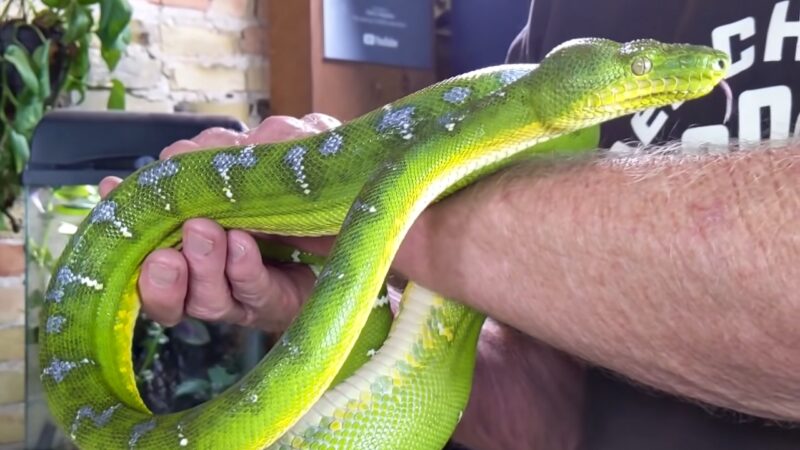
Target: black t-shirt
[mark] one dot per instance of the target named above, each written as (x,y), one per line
(760,35)
(763,39)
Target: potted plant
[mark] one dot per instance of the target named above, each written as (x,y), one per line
(44,57)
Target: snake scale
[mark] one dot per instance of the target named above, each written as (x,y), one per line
(365,181)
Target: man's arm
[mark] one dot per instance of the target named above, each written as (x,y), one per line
(679,272)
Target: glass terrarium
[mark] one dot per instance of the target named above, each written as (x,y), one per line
(72,151)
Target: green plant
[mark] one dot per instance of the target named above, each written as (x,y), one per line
(44,54)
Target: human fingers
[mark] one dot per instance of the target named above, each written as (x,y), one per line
(276,129)
(208,295)
(320,122)
(271,295)
(163,284)
(108,184)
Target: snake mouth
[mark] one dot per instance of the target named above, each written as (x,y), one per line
(637,95)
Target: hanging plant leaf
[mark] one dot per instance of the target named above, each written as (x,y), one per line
(29,112)
(41,58)
(116,99)
(112,53)
(79,22)
(79,69)
(114,18)
(113,30)
(18,57)
(195,387)
(56,3)
(19,149)
(221,379)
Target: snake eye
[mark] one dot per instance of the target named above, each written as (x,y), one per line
(641,65)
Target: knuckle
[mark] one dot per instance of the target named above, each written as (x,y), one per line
(181,146)
(211,132)
(207,312)
(252,287)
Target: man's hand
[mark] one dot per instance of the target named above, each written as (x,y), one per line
(219,275)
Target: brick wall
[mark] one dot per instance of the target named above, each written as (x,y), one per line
(12,338)
(204,56)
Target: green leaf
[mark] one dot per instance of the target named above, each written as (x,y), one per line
(41,57)
(18,57)
(79,69)
(79,23)
(114,18)
(113,30)
(29,112)
(116,99)
(56,3)
(196,387)
(20,150)
(111,54)
(221,379)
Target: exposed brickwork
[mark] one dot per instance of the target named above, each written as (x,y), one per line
(12,339)
(234,8)
(190,51)
(12,425)
(12,344)
(12,257)
(193,4)
(12,300)
(12,386)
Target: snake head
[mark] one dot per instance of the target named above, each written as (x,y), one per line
(610,79)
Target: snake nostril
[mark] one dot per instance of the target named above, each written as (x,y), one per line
(718,64)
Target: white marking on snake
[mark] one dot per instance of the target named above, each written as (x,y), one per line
(294,350)
(371,352)
(382,300)
(106,212)
(296,256)
(139,430)
(183,441)
(400,121)
(55,324)
(457,95)
(224,162)
(450,119)
(332,144)
(157,172)
(64,277)
(99,419)
(295,159)
(59,369)
(511,75)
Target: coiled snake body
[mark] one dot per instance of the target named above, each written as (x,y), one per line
(366,181)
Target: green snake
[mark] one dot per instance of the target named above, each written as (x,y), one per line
(332,381)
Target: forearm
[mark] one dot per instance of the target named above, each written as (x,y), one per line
(679,272)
